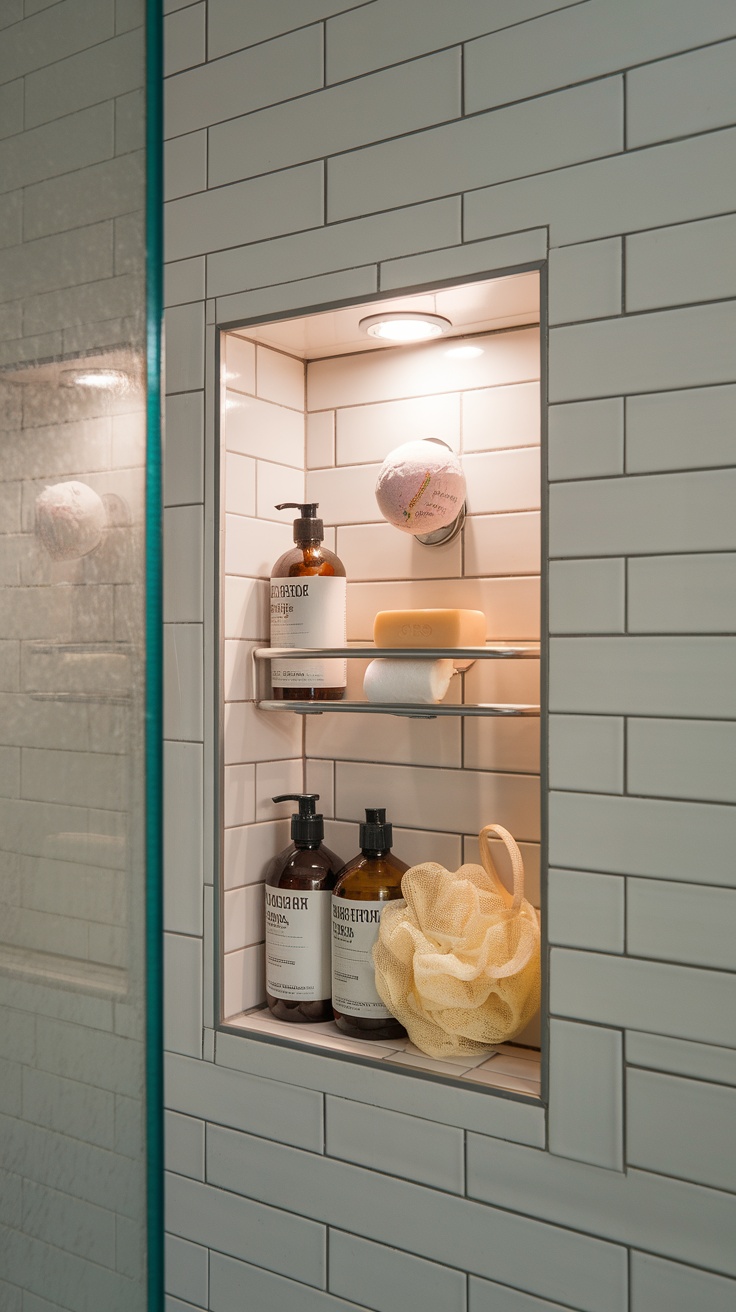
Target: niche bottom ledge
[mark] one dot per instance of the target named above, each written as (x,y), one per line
(510,1069)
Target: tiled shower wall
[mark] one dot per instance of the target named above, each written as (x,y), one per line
(436,142)
(446,777)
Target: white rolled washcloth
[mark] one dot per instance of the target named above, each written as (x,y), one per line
(407,680)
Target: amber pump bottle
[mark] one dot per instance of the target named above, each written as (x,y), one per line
(299,883)
(308,609)
(363,888)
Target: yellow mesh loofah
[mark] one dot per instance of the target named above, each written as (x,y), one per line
(458,963)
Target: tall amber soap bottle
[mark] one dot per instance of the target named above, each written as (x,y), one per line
(308,609)
(363,888)
(299,882)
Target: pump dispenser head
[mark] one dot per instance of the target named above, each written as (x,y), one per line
(307,528)
(307,828)
(376,835)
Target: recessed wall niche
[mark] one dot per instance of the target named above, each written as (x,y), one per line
(309,409)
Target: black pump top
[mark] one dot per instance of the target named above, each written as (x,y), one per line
(376,835)
(307,528)
(307,829)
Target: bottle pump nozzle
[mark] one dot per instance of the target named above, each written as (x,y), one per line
(306,827)
(307,528)
(376,835)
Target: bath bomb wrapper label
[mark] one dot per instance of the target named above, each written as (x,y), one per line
(70,520)
(421,487)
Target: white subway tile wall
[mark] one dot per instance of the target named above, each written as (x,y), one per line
(600,135)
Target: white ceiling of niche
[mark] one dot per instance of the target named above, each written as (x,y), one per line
(471,308)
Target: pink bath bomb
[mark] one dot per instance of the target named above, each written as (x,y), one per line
(421,487)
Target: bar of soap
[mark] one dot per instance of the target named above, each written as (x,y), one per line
(429,628)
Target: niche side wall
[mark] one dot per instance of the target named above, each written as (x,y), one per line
(438,142)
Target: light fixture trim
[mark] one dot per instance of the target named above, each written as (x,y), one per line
(417,327)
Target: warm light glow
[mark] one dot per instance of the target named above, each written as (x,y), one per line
(111,380)
(464,352)
(404,326)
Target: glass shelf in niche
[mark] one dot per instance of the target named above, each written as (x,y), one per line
(464,658)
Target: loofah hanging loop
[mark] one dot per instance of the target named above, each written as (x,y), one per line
(458,962)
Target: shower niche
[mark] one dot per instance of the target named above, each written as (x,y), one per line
(310,406)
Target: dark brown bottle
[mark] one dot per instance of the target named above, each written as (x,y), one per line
(363,887)
(299,883)
(308,609)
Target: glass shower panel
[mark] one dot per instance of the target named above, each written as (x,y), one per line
(75,908)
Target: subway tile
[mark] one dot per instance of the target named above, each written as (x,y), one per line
(183,564)
(547,1259)
(478,257)
(346,494)
(280,378)
(627,993)
(184,1139)
(678,1220)
(319,778)
(501,417)
(320,249)
(90,195)
(421,371)
(11,108)
(690,262)
(642,352)
(185,166)
(561,48)
(213,220)
(230,29)
(511,606)
(384,1278)
(659,1286)
(184,331)
(281,298)
(89,314)
(502,544)
(100,1177)
(487,1296)
(47,37)
(266,1290)
(667,98)
(243,981)
(381,551)
(253,426)
(245,1102)
(252,546)
(184,39)
(183,837)
(244,81)
(240,363)
(370,432)
(183,674)
(68,1107)
(276,484)
(500,744)
(184,455)
(364,738)
(586,1094)
(77,778)
(243,918)
(237,677)
(390,103)
(585,910)
(183,991)
(108,69)
(275,1239)
(586,281)
(93,1057)
(246,609)
(557,130)
(502,480)
(603,198)
(11,1074)
(320,439)
(681,922)
(76,1226)
(357,41)
(452,800)
(187,1270)
(586,753)
(702,1061)
(693,759)
(249,848)
(587,596)
(642,676)
(272,779)
(690,594)
(636,836)
(239,795)
(657,1108)
(253,735)
(660,427)
(60,260)
(406,1146)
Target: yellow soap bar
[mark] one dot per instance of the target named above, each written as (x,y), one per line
(429,628)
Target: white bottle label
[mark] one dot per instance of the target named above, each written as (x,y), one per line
(297,944)
(354,931)
(308,612)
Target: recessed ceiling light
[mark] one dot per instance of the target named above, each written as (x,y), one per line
(101,380)
(464,352)
(404,326)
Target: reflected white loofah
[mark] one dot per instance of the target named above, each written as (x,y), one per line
(458,963)
(70,520)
